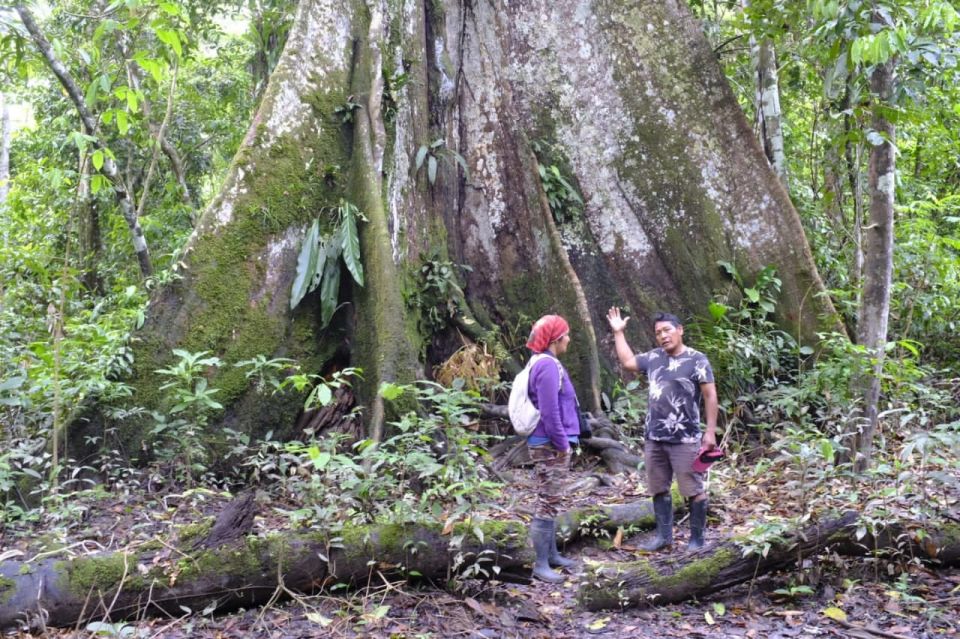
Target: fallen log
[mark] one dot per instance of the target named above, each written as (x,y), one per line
(616,456)
(247,571)
(717,567)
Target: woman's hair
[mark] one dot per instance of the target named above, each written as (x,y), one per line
(660,316)
(545,331)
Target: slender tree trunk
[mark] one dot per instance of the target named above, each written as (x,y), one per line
(852,153)
(4,167)
(833,190)
(90,124)
(878,265)
(768,106)
(88,231)
(4,149)
(159,132)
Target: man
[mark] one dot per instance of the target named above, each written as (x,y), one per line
(678,377)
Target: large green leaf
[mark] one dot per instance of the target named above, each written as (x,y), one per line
(350,242)
(329,289)
(12,383)
(306,265)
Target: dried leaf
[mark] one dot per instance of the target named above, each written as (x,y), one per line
(599,624)
(835,613)
(319,619)
(474,605)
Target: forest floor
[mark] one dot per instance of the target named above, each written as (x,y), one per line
(891,597)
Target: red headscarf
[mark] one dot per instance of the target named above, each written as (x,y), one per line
(545,330)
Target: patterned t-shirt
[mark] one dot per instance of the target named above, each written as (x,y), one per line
(673,413)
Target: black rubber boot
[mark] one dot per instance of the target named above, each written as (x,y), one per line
(663,512)
(556,559)
(541,533)
(698,523)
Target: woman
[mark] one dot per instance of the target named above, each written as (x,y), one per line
(550,443)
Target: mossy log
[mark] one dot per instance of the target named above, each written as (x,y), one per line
(249,571)
(717,567)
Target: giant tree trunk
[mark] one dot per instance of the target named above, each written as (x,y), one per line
(630,93)
(878,268)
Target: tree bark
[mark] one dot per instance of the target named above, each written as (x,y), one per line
(878,267)
(90,126)
(90,242)
(768,106)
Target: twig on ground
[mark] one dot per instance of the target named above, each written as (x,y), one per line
(874,631)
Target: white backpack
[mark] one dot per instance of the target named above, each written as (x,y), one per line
(523,414)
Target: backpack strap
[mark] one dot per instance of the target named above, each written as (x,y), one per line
(537,357)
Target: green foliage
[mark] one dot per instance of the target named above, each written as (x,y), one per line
(433,461)
(428,470)
(565,203)
(763,536)
(393,84)
(181,430)
(319,262)
(626,408)
(794,591)
(344,112)
(321,389)
(747,350)
(564,200)
(432,154)
(436,294)
(267,31)
(927,276)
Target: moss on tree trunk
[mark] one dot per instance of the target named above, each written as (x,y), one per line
(670,173)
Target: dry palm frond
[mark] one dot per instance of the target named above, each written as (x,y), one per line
(478,369)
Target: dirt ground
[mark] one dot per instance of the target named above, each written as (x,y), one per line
(827,597)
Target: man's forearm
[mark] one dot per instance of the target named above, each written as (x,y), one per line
(624,354)
(710,407)
(712,411)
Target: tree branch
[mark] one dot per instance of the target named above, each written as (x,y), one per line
(109,168)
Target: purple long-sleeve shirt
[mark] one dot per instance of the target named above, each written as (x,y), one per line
(558,411)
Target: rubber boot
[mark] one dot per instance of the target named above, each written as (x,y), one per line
(663,513)
(557,560)
(698,523)
(541,533)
